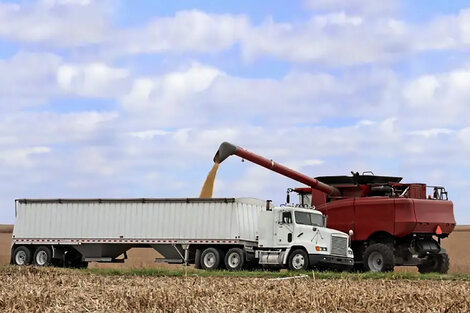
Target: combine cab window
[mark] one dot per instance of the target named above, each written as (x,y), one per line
(312,219)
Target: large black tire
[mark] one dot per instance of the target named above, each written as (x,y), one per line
(298,260)
(436,263)
(197,259)
(211,259)
(21,256)
(378,258)
(42,256)
(234,259)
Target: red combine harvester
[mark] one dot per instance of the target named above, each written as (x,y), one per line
(391,223)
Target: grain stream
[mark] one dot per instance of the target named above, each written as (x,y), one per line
(208,187)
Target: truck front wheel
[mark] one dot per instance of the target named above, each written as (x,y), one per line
(210,259)
(234,259)
(436,263)
(378,258)
(22,256)
(298,260)
(43,256)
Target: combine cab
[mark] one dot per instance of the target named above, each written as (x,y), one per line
(391,223)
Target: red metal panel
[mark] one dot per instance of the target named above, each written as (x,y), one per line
(318,197)
(372,215)
(417,191)
(405,219)
(431,213)
(340,214)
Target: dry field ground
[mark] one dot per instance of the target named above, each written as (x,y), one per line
(30,289)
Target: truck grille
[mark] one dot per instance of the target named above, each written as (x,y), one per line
(339,245)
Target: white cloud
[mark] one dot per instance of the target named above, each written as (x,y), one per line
(338,33)
(431,132)
(66,2)
(186,31)
(334,39)
(149,134)
(441,99)
(57,22)
(167,99)
(21,157)
(367,7)
(27,79)
(95,79)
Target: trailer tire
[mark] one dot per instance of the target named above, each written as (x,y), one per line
(210,259)
(197,259)
(298,260)
(378,258)
(438,263)
(22,256)
(43,256)
(234,259)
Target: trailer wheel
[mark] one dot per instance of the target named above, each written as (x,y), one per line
(235,259)
(437,263)
(210,259)
(298,260)
(197,259)
(378,258)
(43,256)
(22,256)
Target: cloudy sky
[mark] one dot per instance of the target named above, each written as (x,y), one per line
(133,98)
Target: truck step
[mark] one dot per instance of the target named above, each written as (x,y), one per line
(169,261)
(104,260)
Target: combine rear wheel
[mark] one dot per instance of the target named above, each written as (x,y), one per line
(378,258)
(436,263)
(22,256)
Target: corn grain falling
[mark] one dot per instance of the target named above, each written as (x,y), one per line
(208,187)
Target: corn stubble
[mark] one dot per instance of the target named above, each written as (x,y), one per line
(29,289)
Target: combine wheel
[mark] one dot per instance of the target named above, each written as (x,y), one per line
(22,256)
(43,256)
(235,259)
(378,258)
(437,263)
(210,259)
(298,260)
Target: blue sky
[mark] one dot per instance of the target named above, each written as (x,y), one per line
(132,99)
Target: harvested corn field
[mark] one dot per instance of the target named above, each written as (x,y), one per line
(29,289)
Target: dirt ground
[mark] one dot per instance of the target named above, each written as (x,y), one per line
(457,246)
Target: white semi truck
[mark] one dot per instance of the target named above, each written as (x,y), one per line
(210,233)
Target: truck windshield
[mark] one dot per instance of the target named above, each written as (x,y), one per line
(305,218)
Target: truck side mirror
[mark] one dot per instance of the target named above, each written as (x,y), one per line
(288,198)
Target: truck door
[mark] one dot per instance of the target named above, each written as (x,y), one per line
(284,229)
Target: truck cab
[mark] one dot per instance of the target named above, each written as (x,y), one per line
(297,237)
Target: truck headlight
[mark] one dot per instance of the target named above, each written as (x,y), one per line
(318,248)
(350,252)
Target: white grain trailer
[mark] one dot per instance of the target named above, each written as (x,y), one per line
(210,233)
